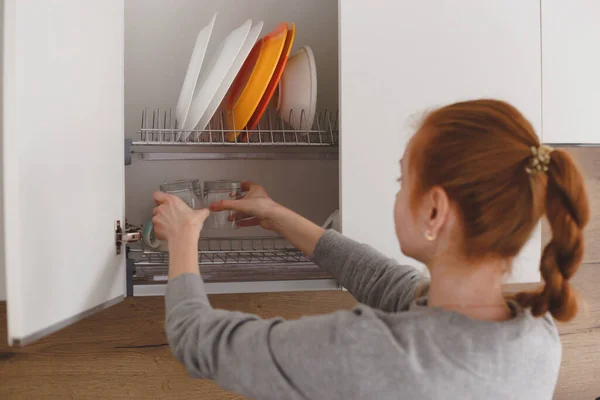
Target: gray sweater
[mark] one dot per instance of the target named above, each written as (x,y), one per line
(389,347)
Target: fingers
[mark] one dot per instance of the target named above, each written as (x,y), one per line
(201,215)
(238,215)
(217,206)
(160,197)
(157,227)
(244,223)
(224,205)
(247,185)
(157,212)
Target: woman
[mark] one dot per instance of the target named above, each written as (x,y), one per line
(475,182)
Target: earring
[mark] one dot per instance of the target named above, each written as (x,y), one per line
(429,236)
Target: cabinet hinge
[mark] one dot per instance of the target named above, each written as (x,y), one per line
(131,234)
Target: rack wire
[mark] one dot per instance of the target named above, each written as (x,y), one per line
(160,128)
(227,251)
(236,273)
(233,260)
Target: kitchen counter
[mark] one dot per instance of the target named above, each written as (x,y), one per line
(122,352)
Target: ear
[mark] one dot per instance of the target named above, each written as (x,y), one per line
(438,210)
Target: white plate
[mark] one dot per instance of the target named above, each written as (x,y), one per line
(192,73)
(213,75)
(219,79)
(298,90)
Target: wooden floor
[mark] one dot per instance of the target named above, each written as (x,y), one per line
(122,352)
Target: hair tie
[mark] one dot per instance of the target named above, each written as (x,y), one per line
(540,160)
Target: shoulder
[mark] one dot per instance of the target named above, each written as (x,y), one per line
(543,334)
(358,324)
(401,332)
(540,347)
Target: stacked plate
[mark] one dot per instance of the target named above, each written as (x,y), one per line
(243,74)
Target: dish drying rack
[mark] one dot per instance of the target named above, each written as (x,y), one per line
(271,135)
(241,259)
(233,259)
(243,250)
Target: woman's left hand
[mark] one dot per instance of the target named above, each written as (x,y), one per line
(173,219)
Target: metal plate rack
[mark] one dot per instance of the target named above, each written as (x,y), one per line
(233,259)
(243,250)
(159,128)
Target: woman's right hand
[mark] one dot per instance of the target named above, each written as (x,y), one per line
(255,208)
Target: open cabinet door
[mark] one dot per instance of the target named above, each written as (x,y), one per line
(63,167)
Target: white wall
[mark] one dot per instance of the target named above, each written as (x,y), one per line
(571,84)
(159,37)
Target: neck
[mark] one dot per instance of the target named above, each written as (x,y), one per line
(472,289)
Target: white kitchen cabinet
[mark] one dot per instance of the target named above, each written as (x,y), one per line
(67,113)
(570,71)
(67,68)
(399,58)
(63,190)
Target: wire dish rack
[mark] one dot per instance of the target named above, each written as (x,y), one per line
(232,260)
(222,251)
(236,273)
(159,128)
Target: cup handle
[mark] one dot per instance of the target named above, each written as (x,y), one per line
(149,238)
(333,222)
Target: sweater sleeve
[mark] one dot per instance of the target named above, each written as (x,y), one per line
(266,359)
(371,277)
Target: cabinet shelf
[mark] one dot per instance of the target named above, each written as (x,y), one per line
(160,129)
(149,275)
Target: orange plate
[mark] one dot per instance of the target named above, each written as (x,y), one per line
(264,102)
(253,79)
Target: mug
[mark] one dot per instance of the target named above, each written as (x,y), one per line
(188,190)
(333,222)
(221,190)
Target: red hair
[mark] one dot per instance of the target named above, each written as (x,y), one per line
(478,151)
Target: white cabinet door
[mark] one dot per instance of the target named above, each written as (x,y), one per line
(62,175)
(571,71)
(399,58)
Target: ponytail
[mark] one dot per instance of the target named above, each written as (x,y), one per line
(567,210)
(487,158)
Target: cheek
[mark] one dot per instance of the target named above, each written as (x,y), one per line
(408,236)
(398,212)
(402,218)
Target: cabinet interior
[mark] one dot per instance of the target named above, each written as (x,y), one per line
(299,169)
